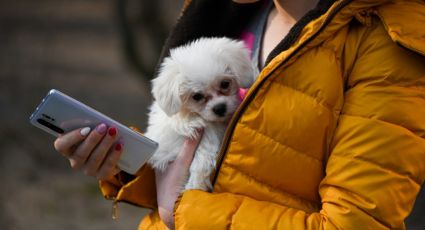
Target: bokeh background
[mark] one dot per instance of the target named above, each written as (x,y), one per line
(102,52)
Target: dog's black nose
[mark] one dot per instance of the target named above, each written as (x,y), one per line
(220,110)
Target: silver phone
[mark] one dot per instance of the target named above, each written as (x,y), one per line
(59,113)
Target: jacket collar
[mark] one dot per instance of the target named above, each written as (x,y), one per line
(396,15)
(404,22)
(207,18)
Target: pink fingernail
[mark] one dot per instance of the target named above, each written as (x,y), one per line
(101,129)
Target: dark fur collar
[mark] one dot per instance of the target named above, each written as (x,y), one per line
(217,18)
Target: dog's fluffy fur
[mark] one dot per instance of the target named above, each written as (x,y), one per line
(197,87)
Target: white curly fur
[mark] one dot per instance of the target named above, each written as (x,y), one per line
(174,116)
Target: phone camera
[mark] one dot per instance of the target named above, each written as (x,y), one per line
(50,126)
(48,117)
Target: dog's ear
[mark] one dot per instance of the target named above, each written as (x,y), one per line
(239,63)
(166,87)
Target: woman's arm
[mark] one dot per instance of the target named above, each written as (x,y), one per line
(170,183)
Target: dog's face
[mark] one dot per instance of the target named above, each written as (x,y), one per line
(214,101)
(204,78)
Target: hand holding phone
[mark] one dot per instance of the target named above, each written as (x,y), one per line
(58,114)
(95,152)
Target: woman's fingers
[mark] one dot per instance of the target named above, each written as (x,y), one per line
(188,150)
(98,154)
(64,144)
(94,152)
(79,157)
(109,168)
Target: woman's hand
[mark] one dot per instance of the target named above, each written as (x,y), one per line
(171,182)
(92,152)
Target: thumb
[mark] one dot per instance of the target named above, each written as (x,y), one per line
(188,150)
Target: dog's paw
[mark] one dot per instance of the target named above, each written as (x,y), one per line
(159,165)
(204,185)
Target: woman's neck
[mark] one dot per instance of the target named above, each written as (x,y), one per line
(281,19)
(293,10)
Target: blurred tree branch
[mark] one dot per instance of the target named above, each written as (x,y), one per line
(146,18)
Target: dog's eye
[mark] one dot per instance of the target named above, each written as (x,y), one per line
(224,84)
(197,96)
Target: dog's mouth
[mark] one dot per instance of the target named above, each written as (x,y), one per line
(221,111)
(224,118)
(218,119)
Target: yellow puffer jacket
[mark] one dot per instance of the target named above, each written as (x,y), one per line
(330,136)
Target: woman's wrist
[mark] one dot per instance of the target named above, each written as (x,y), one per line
(167,217)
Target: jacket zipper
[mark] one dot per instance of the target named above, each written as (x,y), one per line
(114,209)
(114,212)
(250,97)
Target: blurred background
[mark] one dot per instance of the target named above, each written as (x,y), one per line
(102,52)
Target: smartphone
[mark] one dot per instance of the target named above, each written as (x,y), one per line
(58,114)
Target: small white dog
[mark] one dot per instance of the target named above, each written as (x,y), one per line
(197,87)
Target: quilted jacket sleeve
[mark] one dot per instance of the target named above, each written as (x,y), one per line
(139,189)
(377,160)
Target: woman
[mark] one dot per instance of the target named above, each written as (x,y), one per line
(330,136)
